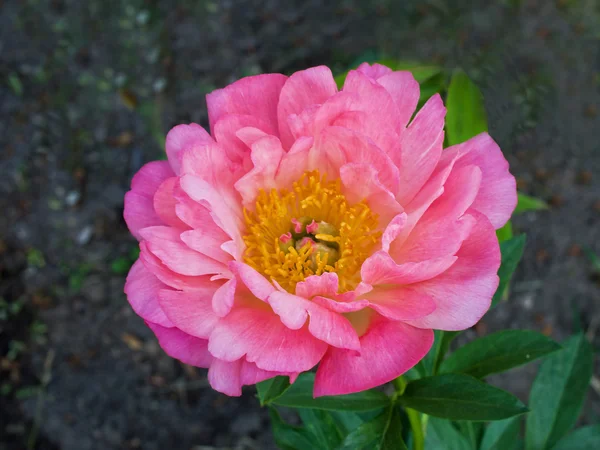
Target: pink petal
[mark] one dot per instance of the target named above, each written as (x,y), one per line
(225,131)
(264,340)
(324,324)
(139,201)
(388,350)
(165,203)
(191,311)
(166,275)
(207,241)
(255,96)
(340,306)
(337,146)
(182,346)
(361,183)
(399,302)
(405,91)
(497,197)
(166,244)
(229,377)
(142,288)
(326,284)
(303,89)
(374,71)
(420,148)
(192,213)
(380,268)
(222,301)
(258,285)
(392,231)
(182,137)
(464,292)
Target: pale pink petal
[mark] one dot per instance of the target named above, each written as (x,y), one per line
(225,131)
(142,288)
(222,301)
(361,183)
(341,306)
(191,311)
(326,284)
(255,96)
(182,346)
(497,197)
(464,292)
(460,191)
(337,146)
(380,268)
(323,324)
(399,302)
(374,71)
(388,349)
(139,201)
(392,231)
(405,91)
(258,285)
(182,137)
(166,244)
(303,89)
(208,241)
(260,335)
(420,148)
(192,213)
(165,203)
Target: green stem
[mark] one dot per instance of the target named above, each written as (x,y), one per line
(413,417)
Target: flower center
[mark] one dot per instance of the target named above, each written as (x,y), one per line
(309,230)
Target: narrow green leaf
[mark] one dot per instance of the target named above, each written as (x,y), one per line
(527,203)
(15,84)
(272,388)
(512,252)
(558,393)
(585,438)
(471,431)
(436,354)
(347,421)
(505,233)
(501,435)
(442,435)
(299,395)
(460,397)
(289,437)
(498,352)
(466,116)
(321,425)
(384,432)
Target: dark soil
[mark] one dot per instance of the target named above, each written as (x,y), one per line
(88,89)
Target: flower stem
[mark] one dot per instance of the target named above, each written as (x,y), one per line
(413,417)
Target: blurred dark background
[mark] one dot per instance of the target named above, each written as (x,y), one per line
(88,89)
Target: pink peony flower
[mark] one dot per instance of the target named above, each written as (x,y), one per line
(316,227)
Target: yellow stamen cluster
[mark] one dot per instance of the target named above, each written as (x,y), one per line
(321,200)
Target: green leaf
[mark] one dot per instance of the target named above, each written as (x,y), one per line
(289,437)
(466,116)
(271,389)
(501,435)
(585,438)
(434,357)
(347,421)
(498,352)
(527,203)
(558,393)
(460,397)
(512,251)
(471,430)
(441,435)
(299,395)
(321,425)
(15,84)
(384,432)
(505,233)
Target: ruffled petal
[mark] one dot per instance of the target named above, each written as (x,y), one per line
(181,138)
(179,345)
(380,268)
(165,204)
(191,311)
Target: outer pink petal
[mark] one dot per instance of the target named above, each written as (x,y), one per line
(497,197)
(166,244)
(464,292)
(254,96)
(380,268)
(420,148)
(139,201)
(405,91)
(303,89)
(399,302)
(165,203)
(388,350)
(224,297)
(182,346)
(264,340)
(191,312)
(142,288)
(374,71)
(181,138)
(324,324)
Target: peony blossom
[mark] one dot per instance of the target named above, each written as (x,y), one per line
(316,227)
